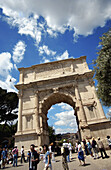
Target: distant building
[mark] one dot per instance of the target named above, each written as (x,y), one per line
(72,137)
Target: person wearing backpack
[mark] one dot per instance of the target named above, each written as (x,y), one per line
(33,158)
(47,158)
(64,152)
(66,147)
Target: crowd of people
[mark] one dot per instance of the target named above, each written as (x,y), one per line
(47,153)
(92,148)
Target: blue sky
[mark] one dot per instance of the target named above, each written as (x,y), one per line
(38,31)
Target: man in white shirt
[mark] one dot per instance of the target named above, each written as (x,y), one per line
(22,154)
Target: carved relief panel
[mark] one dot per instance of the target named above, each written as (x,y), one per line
(29,122)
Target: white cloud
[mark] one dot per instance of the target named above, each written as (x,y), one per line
(8,84)
(64,121)
(45,60)
(18,52)
(109,113)
(65,106)
(66,130)
(53,118)
(51,32)
(65,55)
(5,64)
(52,108)
(26,25)
(15,66)
(6,67)
(66,118)
(82,18)
(45,50)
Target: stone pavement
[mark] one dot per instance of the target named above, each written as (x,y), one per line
(91,164)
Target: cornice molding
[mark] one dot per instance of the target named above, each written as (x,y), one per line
(74,77)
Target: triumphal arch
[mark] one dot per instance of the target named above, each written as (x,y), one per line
(41,86)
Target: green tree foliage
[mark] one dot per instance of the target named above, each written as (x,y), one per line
(103,69)
(52,136)
(8,104)
(7,133)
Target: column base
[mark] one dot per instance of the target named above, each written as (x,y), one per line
(30,137)
(26,140)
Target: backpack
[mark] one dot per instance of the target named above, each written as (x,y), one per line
(66,151)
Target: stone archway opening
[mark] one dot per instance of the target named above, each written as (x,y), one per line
(62,119)
(69,115)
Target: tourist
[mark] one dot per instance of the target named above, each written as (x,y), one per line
(80,154)
(52,151)
(6,152)
(50,148)
(0,156)
(47,158)
(85,147)
(76,147)
(22,154)
(64,157)
(70,150)
(58,150)
(41,154)
(40,151)
(10,160)
(102,149)
(15,156)
(89,146)
(65,145)
(4,156)
(33,159)
(109,141)
(95,148)
(28,156)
